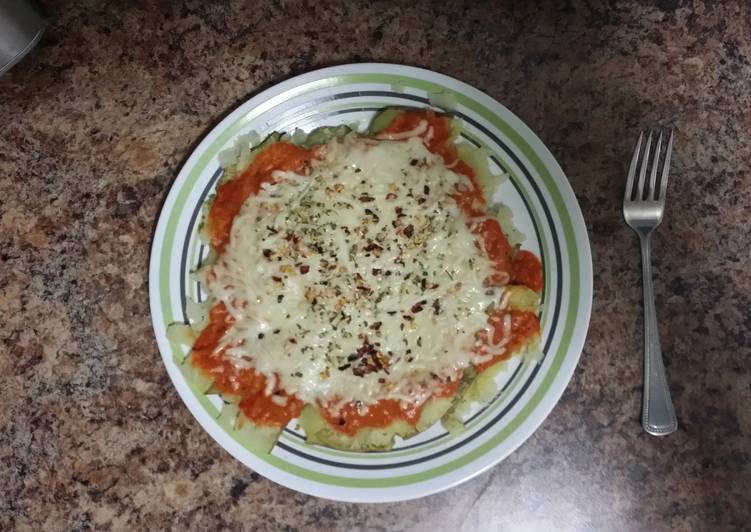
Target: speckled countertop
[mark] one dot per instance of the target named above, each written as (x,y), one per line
(95,123)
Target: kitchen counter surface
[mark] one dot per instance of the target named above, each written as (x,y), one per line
(96,122)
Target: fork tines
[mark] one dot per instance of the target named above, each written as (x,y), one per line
(649,158)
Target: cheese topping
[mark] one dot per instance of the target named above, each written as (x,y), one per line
(358,282)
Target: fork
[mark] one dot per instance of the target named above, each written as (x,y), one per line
(643,207)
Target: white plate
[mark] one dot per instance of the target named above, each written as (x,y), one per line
(544,208)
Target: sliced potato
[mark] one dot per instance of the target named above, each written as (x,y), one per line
(319,431)
(322,135)
(432,412)
(522,298)
(443,100)
(197,313)
(181,333)
(479,160)
(195,377)
(482,388)
(259,438)
(383,119)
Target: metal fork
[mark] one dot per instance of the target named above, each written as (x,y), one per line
(643,207)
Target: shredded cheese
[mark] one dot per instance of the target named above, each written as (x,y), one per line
(358,282)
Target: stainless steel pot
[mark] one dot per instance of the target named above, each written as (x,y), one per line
(21,27)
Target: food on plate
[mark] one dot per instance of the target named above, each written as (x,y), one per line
(360,283)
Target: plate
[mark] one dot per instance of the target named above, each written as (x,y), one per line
(545,210)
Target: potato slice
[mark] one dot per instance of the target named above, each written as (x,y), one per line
(319,431)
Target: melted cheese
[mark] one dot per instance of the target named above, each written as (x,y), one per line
(358,282)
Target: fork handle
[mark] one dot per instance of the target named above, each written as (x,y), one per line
(658,414)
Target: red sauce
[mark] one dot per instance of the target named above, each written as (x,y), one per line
(498,250)
(231,195)
(471,201)
(381,414)
(525,269)
(524,325)
(438,143)
(520,268)
(264,411)
(244,383)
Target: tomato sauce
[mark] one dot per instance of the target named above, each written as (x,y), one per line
(263,410)
(524,325)
(349,420)
(526,269)
(245,383)
(231,195)
(522,267)
(241,382)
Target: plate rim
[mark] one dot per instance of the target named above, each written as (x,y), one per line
(564,373)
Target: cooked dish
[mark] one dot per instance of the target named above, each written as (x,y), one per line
(359,283)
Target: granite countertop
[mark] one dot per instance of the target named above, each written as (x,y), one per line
(96,122)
